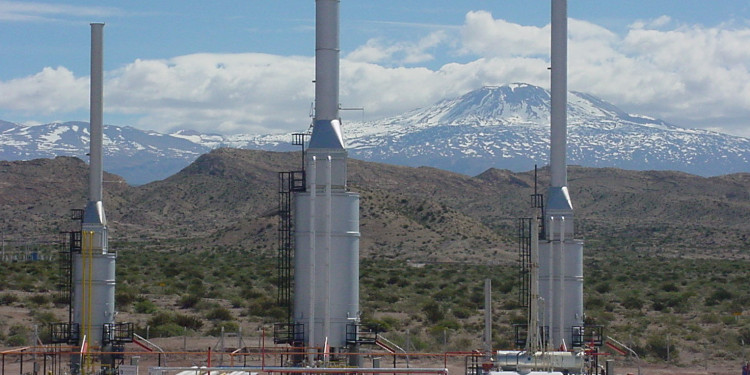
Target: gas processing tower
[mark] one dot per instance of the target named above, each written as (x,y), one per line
(326,273)
(324,310)
(89,274)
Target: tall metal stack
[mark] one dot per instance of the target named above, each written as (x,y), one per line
(326,260)
(94,266)
(560,254)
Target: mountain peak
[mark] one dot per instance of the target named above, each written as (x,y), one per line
(490,104)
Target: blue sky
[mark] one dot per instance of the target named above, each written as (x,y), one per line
(247,66)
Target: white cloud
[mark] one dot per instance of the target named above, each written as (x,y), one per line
(651,24)
(39,12)
(398,53)
(486,36)
(226,93)
(690,75)
(50,91)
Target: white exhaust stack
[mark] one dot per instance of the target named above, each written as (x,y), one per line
(96,112)
(561,256)
(94,266)
(327,215)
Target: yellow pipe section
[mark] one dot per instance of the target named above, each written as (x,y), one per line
(87,239)
(88,281)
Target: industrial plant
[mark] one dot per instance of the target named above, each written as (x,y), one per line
(319,266)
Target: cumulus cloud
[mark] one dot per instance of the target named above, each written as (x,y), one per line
(50,91)
(691,75)
(398,53)
(484,35)
(226,93)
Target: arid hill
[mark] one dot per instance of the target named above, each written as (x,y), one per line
(228,198)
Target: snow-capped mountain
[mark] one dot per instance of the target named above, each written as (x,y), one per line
(508,127)
(503,127)
(137,155)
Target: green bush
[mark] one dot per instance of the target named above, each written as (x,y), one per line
(719,295)
(657,346)
(594,302)
(16,340)
(145,307)
(266,307)
(190,321)
(166,324)
(18,335)
(603,287)
(189,301)
(160,319)
(237,302)
(219,313)
(461,313)
(228,327)
(433,312)
(166,330)
(250,293)
(632,302)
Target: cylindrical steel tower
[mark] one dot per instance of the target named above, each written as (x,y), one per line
(561,255)
(326,264)
(94,266)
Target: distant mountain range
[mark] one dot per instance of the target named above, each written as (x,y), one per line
(502,127)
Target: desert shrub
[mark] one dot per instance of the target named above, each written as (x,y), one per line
(18,335)
(659,346)
(594,302)
(719,295)
(145,307)
(160,319)
(189,301)
(433,312)
(444,295)
(45,317)
(39,299)
(709,318)
(16,340)
(461,313)
(166,330)
(197,288)
(219,313)
(60,299)
(603,287)
(228,327)
(124,297)
(266,307)
(632,302)
(250,293)
(8,299)
(166,324)
(237,302)
(189,321)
